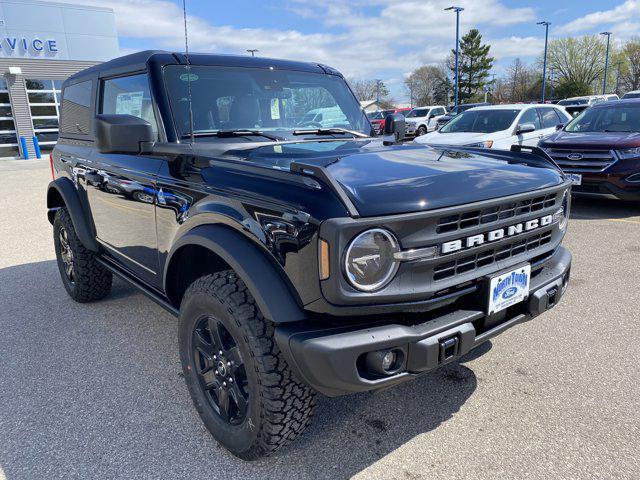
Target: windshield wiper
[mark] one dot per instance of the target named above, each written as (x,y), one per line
(329,131)
(233,133)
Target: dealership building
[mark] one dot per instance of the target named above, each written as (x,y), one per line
(41,44)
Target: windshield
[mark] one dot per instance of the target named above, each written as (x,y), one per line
(481,121)
(574,101)
(279,101)
(631,95)
(417,112)
(622,118)
(375,115)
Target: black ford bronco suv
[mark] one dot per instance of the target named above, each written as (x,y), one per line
(248,197)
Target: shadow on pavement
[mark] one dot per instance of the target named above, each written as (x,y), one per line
(95,390)
(590,208)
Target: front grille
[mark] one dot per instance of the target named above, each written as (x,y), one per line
(591,161)
(488,257)
(474,218)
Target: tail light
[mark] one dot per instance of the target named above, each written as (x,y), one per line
(53,173)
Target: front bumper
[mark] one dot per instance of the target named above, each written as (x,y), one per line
(330,359)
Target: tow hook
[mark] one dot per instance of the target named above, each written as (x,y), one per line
(448,348)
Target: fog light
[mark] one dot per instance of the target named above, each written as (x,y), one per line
(388,360)
(385,362)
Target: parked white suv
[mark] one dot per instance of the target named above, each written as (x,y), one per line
(422,120)
(499,126)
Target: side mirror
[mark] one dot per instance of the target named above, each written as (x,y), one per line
(560,126)
(525,128)
(122,134)
(394,125)
(432,115)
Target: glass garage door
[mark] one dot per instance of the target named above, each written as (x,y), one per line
(44,103)
(8,138)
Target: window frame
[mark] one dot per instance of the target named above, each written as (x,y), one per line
(79,136)
(551,109)
(57,99)
(100,97)
(524,112)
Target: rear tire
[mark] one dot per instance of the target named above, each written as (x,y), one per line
(239,382)
(84,279)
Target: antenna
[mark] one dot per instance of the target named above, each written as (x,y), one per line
(188,67)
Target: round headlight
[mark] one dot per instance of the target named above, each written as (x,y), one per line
(369,261)
(562,215)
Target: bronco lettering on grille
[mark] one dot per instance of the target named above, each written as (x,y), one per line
(495,235)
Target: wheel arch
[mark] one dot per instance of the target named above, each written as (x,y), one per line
(61,193)
(210,248)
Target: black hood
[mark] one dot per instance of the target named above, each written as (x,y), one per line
(383,180)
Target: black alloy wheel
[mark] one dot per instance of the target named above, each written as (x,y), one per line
(66,254)
(220,369)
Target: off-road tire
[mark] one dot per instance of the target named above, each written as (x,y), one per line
(90,280)
(280,406)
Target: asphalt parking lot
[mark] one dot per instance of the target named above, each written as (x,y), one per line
(95,391)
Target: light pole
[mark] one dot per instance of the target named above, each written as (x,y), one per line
(457,10)
(606,63)
(544,64)
(252,51)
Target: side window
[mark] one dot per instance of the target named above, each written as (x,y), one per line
(562,116)
(549,117)
(530,116)
(128,96)
(76,109)
(440,111)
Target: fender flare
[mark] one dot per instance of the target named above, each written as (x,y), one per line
(67,191)
(265,279)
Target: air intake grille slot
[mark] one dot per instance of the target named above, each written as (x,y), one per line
(576,161)
(482,259)
(474,218)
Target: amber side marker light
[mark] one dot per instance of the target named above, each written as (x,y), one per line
(324,260)
(53,174)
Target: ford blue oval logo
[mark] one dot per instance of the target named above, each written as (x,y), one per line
(510,292)
(574,156)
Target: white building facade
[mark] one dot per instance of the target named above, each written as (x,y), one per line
(41,44)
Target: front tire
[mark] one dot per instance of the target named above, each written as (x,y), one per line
(84,279)
(422,130)
(240,384)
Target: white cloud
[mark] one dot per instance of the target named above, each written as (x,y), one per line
(618,16)
(403,35)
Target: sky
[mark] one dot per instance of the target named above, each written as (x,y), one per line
(364,39)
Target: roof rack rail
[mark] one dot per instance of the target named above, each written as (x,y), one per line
(325,177)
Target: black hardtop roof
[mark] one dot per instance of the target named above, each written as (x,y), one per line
(139,60)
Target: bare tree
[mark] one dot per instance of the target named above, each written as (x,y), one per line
(520,81)
(630,65)
(370,90)
(428,84)
(577,60)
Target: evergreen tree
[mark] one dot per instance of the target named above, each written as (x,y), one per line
(474,65)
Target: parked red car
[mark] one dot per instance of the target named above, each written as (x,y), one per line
(600,150)
(377,119)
